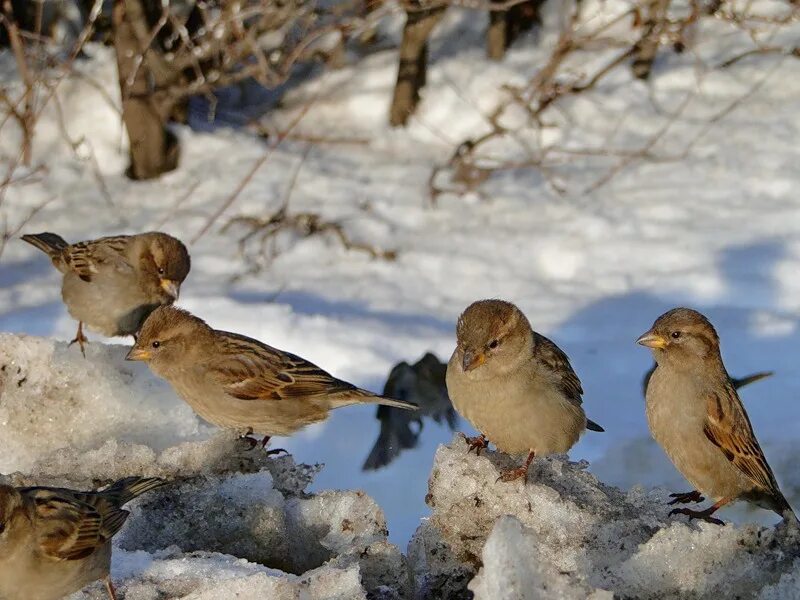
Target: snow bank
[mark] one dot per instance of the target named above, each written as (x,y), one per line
(567,535)
(233,522)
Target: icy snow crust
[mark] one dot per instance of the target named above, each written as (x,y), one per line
(236,523)
(567,535)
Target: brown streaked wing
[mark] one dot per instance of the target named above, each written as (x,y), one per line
(67,528)
(557,361)
(85,258)
(250,370)
(728,427)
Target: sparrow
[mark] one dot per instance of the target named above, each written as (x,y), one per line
(515,386)
(111,284)
(236,382)
(55,541)
(736,382)
(696,416)
(422,383)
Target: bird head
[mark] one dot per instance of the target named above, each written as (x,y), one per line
(492,337)
(681,335)
(165,262)
(167,338)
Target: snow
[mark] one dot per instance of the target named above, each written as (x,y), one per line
(711,221)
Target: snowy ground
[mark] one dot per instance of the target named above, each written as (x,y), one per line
(718,229)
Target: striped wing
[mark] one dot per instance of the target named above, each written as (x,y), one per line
(557,362)
(86,258)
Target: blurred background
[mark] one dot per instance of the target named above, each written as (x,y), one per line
(349,176)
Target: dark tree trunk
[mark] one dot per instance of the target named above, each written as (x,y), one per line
(144,83)
(412,70)
(505,26)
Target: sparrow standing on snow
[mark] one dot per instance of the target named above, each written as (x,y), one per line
(54,541)
(113,283)
(422,383)
(515,386)
(239,383)
(696,416)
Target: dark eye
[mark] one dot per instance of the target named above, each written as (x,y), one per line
(494,344)
(156,344)
(2,527)
(160,270)
(676,335)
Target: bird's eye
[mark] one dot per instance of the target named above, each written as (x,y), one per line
(494,344)
(156,344)
(676,335)
(160,270)
(2,527)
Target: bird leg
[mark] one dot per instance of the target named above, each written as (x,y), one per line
(705,515)
(80,338)
(248,437)
(686,497)
(521,472)
(110,588)
(477,443)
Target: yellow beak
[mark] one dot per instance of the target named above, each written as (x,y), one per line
(652,340)
(472,360)
(138,354)
(173,288)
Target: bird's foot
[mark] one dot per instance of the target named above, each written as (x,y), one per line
(686,497)
(514,474)
(80,339)
(477,443)
(253,442)
(112,594)
(705,515)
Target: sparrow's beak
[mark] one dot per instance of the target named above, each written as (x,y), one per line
(652,340)
(138,354)
(173,288)
(472,360)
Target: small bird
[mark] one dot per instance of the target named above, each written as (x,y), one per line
(111,284)
(55,541)
(736,382)
(422,383)
(696,416)
(514,385)
(239,383)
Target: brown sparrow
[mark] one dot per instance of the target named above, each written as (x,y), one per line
(111,284)
(514,385)
(55,541)
(696,416)
(239,383)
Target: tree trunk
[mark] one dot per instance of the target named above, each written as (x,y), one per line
(412,69)
(144,79)
(505,26)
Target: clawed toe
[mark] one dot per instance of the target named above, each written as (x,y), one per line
(685,497)
(704,515)
(514,474)
(477,443)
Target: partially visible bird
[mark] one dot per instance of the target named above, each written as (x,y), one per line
(736,382)
(239,383)
(515,386)
(55,541)
(422,383)
(696,416)
(111,284)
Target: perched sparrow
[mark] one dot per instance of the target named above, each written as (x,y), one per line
(239,383)
(54,541)
(736,382)
(113,283)
(515,386)
(696,416)
(423,384)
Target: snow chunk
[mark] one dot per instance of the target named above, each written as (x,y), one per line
(575,536)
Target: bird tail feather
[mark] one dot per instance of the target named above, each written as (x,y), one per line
(129,488)
(391,441)
(49,243)
(359,396)
(743,381)
(592,426)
